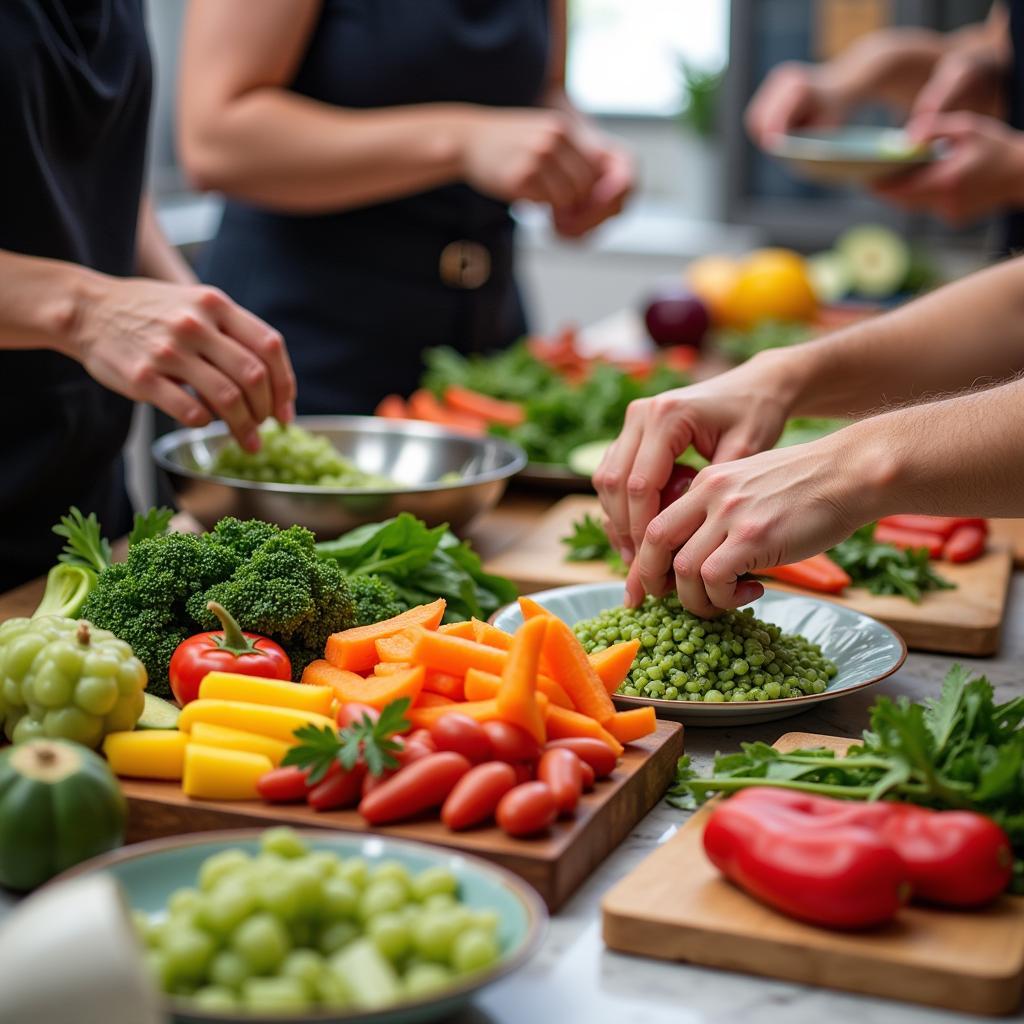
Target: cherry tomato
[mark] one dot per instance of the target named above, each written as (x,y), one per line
(351,713)
(588,774)
(462,734)
(422,736)
(424,784)
(476,794)
(408,751)
(528,808)
(337,790)
(597,754)
(283,785)
(510,743)
(523,770)
(227,649)
(560,769)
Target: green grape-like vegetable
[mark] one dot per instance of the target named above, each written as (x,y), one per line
(289,930)
(292,455)
(64,679)
(734,658)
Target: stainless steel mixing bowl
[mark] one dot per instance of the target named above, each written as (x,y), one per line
(414,454)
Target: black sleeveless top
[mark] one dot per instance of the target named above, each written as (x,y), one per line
(1014,221)
(358,294)
(74,99)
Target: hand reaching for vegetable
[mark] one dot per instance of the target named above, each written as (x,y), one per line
(153,341)
(794,95)
(607,197)
(728,417)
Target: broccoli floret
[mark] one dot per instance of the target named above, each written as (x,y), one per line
(174,567)
(374,599)
(243,536)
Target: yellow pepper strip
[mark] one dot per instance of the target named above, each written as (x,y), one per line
(149,754)
(236,739)
(277,692)
(280,723)
(212,773)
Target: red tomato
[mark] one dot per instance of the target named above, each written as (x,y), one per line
(462,734)
(408,752)
(596,753)
(337,790)
(510,743)
(225,650)
(422,736)
(560,769)
(349,714)
(424,784)
(528,808)
(476,794)
(588,775)
(283,785)
(965,544)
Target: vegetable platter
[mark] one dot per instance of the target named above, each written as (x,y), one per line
(965,619)
(676,906)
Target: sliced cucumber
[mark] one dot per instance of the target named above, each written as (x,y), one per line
(158,713)
(878,260)
(830,274)
(585,458)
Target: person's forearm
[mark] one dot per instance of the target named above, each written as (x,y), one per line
(289,152)
(959,456)
(965,333)
(154,256)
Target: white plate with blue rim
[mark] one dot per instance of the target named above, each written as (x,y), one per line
(865,650)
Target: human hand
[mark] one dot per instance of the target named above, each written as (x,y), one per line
(792,95)
(982,171)
(151,341)
(528,154)
(615,182)
(770,509)
(727,417)
(967,78)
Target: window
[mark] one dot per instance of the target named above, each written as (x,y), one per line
(625,55)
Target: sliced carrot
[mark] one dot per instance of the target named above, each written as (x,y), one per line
(484,685)
(426,699)
(424,406)
(478,710)
(492,410)
(571,667)
(613,663)
(389,668)
(392,407)
(463,629)
(377,691)
(485,633)
(452,687)
(517,698)
(396,648)
(564,724)
(531,609)
(816,573)
(454,655)
(634,724)
(354,648)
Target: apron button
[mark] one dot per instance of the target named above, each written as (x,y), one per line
(465,264)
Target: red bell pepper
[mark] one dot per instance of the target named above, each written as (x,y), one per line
(899,537)
(944,526)
(965,544)
(225,650)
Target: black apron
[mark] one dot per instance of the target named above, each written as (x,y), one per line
(75,82)
(359,294)
(1014,220)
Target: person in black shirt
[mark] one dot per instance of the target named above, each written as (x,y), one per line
(80,338)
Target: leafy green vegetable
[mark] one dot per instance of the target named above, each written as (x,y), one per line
(885,569)
(372,741)
(85,544)
(741,345)
(588,542)
(420,565)
(512,374)
(961,750)
(152,523)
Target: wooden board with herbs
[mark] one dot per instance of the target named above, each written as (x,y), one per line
(676,906)
(965,620)
(554,864)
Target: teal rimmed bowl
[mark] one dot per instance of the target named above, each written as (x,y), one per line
(149,872)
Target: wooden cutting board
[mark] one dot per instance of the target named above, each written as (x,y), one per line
(554,864)
(1011,532)
(675,906)
(967,620)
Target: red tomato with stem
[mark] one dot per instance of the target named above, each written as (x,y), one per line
(227,649)
(510,743)
(527,809)
(476,794)
(462,734)
(560,769)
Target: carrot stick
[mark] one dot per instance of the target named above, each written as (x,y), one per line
(902,538)
(816,573)
(571,667)
(564,724)
(354,648)
(392,407)
(426,699)
(634,724)
(389,668)
(454,655)
(446,685)
(493,410)
(942,525)
(478,710)
(424,406)
(484,685)
(463,629)
(395,648)
(517,701)
(377,691)
(531,609)
(485,633)
(613,663)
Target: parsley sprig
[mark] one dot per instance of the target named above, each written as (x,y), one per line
(371,741)
(588,542)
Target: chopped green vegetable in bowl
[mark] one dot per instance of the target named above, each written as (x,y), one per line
(732,658)
(292,455)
